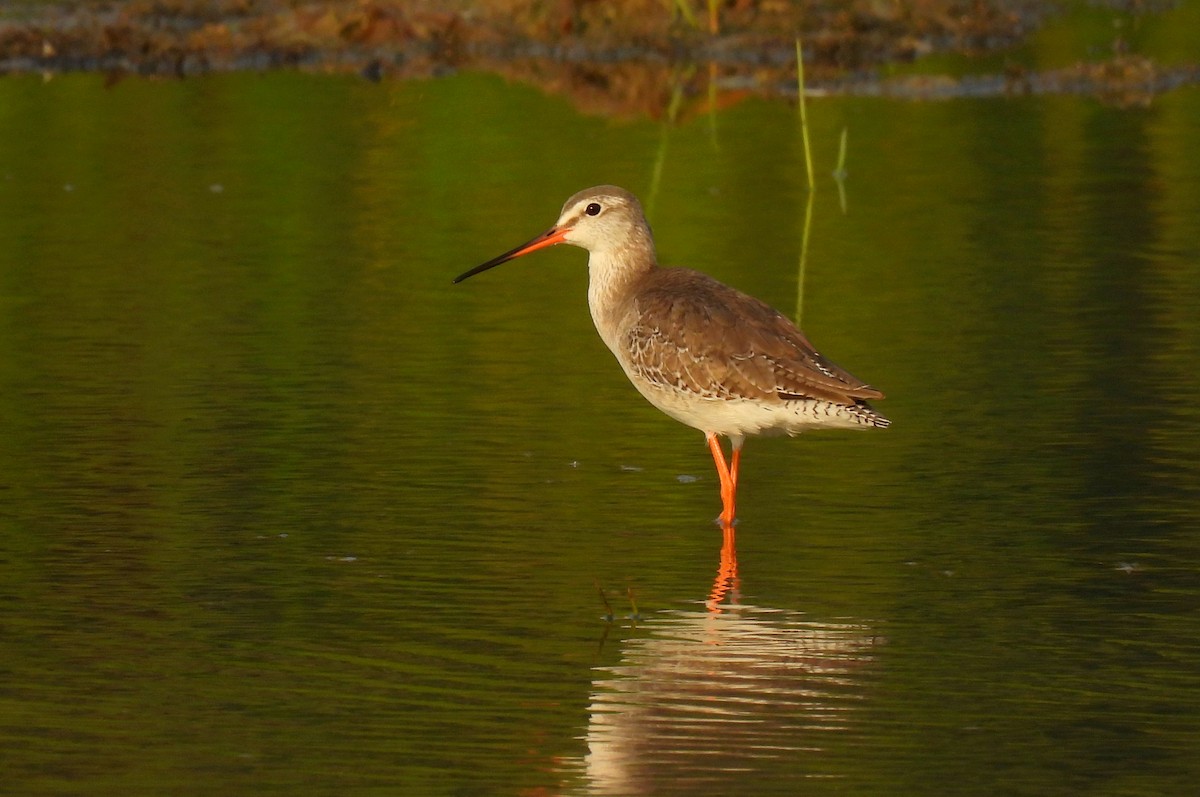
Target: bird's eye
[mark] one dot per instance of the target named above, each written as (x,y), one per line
(593,209)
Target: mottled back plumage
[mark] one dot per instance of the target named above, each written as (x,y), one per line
(696,334)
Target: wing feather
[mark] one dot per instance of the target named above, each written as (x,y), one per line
(695,334)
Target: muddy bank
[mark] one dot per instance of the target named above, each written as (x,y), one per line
(611,56)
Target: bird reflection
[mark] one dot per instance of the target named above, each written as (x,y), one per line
(699,697)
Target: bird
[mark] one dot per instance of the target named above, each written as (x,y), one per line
(704,353)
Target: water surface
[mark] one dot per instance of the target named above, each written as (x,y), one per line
(282,510)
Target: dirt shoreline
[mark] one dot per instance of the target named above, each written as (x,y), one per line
(611,56)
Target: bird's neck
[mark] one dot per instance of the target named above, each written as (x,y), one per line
(613,277)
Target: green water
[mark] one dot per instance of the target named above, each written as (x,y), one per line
(283,511)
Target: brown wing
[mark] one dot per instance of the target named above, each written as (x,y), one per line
(695,334)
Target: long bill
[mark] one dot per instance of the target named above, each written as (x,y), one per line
(552,236)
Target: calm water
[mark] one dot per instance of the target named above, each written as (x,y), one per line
(283,511)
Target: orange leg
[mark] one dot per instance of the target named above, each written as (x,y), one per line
(728,477)
(735,463)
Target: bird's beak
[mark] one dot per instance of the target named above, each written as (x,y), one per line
(552,236)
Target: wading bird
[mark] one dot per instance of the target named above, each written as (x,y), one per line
(702,352)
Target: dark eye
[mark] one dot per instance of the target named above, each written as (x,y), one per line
(593,209)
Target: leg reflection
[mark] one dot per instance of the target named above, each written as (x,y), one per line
(727,582)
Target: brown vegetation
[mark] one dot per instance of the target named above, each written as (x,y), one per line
(613,55)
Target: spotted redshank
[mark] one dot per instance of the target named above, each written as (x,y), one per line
(702,352)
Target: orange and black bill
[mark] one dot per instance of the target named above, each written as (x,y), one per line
(552,236)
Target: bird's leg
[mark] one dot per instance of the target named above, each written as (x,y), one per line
(735,462)
(728,479)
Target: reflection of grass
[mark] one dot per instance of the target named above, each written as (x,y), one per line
(804,114)
(839,172)
(808,210)
(808,164)
(660,157)
(839,175)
